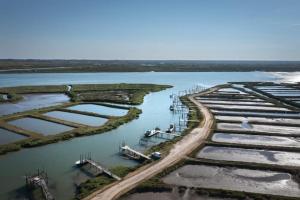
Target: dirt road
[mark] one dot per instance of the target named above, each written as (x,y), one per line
(178,152)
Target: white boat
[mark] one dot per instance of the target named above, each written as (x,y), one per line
(151,133)
(171,129)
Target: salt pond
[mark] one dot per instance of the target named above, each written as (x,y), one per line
(260,128)
(250,155)
(258,181)
(256,139)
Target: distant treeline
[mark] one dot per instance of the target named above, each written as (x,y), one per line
(29,65)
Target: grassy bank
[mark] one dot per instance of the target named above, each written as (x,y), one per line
(93,184)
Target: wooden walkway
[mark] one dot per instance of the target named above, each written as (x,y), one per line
(39,181)
(126,150)
(98,167)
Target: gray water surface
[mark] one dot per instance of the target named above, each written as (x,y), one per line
(40,126)
(77,118)
(98,109)
(32,101)
(8,136)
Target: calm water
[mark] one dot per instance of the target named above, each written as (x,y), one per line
(40,126)
(77,118)
(8,136)
(59,158)
(98,109)
(32,101)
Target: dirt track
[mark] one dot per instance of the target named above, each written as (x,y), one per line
(178,152)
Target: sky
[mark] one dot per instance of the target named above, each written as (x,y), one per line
(150,29)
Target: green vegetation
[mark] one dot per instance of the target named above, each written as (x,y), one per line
(38,66)
(92,185)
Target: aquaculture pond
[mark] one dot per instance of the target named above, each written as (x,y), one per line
(260,128)
(98,109)
(258,119)
(40,126)
(256,139)
(77,118)
(257,181)
(33,101)
(243,107)
(58,159)
(229,102)
(256,114)
(8,136)
(250,155)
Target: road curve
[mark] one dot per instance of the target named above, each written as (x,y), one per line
(182,148)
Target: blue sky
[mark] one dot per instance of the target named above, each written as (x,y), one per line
(150,29)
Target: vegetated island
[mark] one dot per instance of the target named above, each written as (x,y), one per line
(47,66)
(109,95)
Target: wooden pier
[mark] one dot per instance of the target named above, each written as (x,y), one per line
(131,153)
(100,169)
(166,136)
(40,180)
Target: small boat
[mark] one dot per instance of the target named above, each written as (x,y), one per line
(171,107)
(170,129)
(151,133)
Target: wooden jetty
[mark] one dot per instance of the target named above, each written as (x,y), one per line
(39,180)
(100,169)
(166,136)
(131,153)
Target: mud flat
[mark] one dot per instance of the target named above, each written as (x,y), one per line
(221,102)
(256,114)
(250,155)
(256,139)
(99,109)
(257,181)
(250,107)
(259,128)
(40,126)
(33,101)
(8,136)
(228,99)
(77,118)
(258,119)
